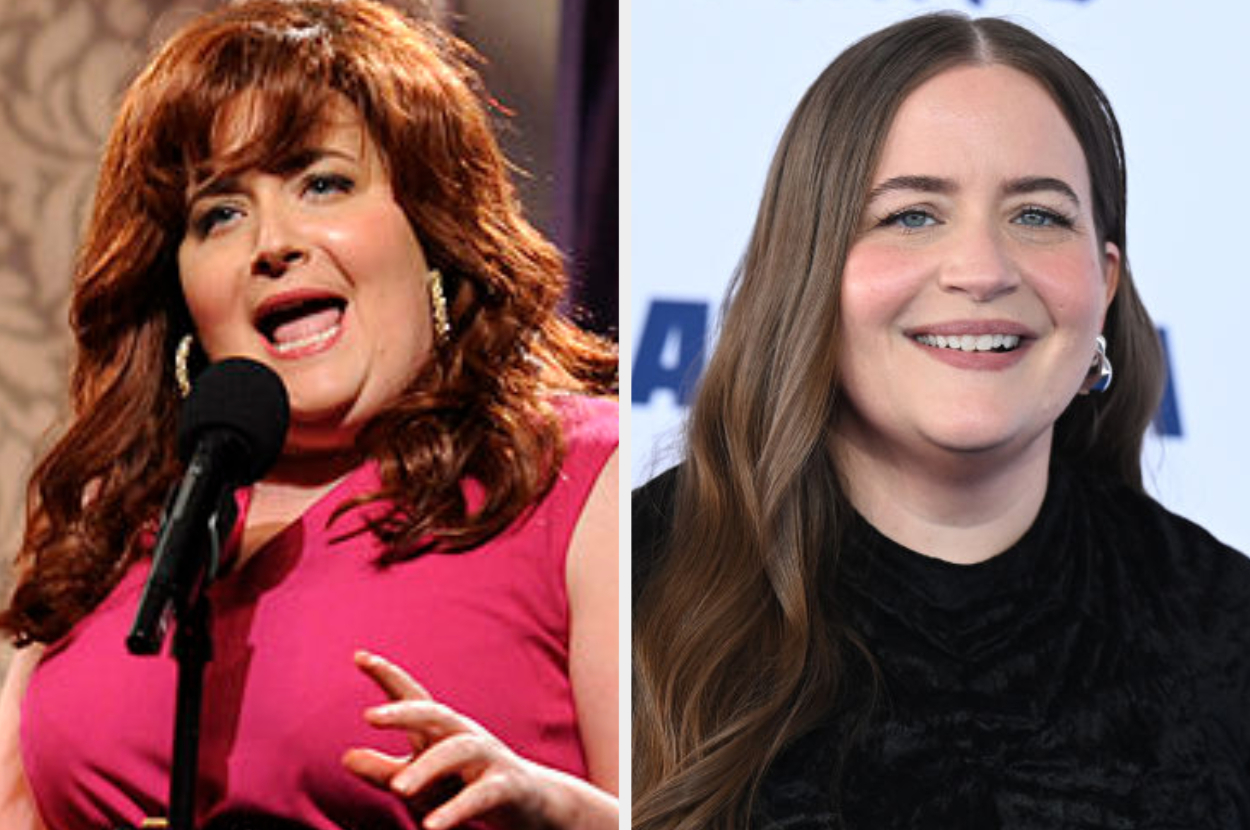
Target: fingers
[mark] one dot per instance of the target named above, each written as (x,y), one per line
(486,794)
(457,750)
(447,747)
(494,779)
(377,768)
(393,680)
(463,755)
(432,720)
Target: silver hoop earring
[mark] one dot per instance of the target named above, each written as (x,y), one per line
(182,361)
(438,306)
(1102,365)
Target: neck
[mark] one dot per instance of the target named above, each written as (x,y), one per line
(962,507)
(294,484)
(299,479)
(310,470)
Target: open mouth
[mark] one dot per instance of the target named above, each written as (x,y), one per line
(971,342)
(301,323)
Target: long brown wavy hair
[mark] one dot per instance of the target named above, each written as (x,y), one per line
(739,647)
(481,405)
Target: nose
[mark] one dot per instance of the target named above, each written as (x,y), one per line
(278,245)
(980,265)
(275,263)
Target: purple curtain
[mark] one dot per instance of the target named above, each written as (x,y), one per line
(587,160)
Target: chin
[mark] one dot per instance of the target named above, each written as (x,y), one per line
(322,395)
(975,434)
(318,414)
(982,440)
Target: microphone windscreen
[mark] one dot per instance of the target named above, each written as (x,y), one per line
(242,397)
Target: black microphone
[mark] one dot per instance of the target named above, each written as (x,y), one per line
(230,432)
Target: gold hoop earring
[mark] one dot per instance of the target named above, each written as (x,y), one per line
(438,306)
(182,361)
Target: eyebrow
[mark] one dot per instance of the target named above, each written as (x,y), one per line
(1036,184)
(213,186)
(221,185)
(1013,187)
(927,184)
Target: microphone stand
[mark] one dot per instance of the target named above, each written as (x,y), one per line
(192,649)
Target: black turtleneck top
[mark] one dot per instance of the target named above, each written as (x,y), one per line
(1096,674)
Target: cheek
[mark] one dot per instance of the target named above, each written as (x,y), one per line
(877,284)
(385,261)
(399,312)
(375,242)
(209,298)
(403,310)
(1073,289)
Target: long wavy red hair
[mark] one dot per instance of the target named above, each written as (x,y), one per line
(481,406)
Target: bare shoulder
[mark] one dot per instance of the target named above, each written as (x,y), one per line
(600,517)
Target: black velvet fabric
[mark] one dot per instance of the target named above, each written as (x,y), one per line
(1094,675)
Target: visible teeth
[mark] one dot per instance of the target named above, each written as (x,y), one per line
(971,342)
(311,340)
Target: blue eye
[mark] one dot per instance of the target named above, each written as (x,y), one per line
(911,219)
(1035,217)
(321,184)
(213,217)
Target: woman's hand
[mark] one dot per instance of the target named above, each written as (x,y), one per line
(498,784)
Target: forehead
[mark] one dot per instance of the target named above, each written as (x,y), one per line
(249,119)
(988,121)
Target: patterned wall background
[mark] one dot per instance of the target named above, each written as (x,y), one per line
(62,66)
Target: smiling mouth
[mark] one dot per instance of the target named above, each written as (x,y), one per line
(302,324)
(971,342)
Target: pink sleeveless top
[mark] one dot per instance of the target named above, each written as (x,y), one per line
(486,632)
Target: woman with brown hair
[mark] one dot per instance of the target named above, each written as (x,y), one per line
(907,575)
(314,185)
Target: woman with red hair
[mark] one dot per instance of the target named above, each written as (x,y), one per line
(423,588)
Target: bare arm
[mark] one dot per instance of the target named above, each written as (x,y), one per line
(17,803)
(593,577)
(500,786)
